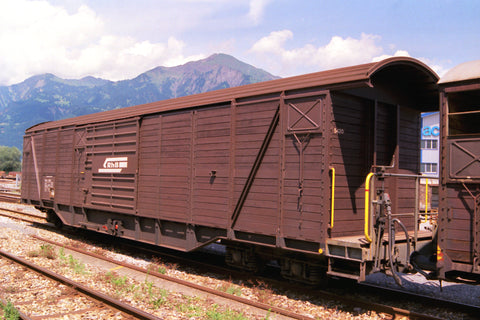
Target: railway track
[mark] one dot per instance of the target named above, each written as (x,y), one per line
(266,309)
(345,300)
(146,272)
(23,215)
(36,298)
(9,197)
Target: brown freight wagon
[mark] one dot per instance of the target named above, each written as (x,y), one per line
(274,170)
(459,214)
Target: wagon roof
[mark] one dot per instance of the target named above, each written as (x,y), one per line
(389,72)
(464,71)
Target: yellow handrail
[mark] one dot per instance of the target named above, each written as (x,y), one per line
(367,206)
(332,208)
(426,199)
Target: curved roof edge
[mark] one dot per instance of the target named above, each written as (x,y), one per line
(465,71)
(39,124)
(402,60)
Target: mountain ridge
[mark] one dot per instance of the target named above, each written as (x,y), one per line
(47,97)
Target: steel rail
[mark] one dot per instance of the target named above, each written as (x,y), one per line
(368,305)
(9,197)
(394,311)
(259,305)
(23,212)
(113,303)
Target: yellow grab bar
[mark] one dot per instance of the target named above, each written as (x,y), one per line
(426,199)
(367,206)
(332,208)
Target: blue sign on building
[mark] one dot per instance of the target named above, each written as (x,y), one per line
(431,131)
(430,136)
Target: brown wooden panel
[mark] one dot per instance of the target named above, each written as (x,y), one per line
(64,170)
(354,227)
(409,149)
(460,256)
(459,246)
(351,156)
(211,158)
(260,209)
(303,204)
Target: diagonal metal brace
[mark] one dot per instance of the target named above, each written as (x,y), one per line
(255,167)
(474,157)
(303,115)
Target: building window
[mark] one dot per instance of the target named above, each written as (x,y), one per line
(428,167)
(429,144)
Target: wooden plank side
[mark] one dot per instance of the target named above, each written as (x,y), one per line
(409,152)
(65,167)
(149,166)
(351,155)
(174,160)
(260,209)
(304,214)
(211,159)
(459,228)
(110,165)
(459,250)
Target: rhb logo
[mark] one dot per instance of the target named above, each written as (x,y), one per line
(114,165)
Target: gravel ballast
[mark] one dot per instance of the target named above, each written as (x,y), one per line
(170,304)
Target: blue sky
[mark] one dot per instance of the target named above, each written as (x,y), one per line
(119,39)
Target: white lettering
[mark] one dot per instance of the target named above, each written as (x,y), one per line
(114,165)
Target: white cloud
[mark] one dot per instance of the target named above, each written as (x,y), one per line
(257,7)
(273,43)
(271,54)
(439,69)
(339,52)
(37,37)
(398,53)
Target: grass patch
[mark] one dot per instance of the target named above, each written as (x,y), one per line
(76,265)
(45,251)
(190,306)
(230,289)
(263,292)
(160,300)
(216,313)
(9,311)
(116,280)
(157,266)
(121,284)
(157,297)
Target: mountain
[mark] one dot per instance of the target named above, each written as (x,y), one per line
(47,97)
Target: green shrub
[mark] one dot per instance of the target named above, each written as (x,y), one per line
(9,311)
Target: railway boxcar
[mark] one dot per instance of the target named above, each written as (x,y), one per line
(275,170)
(459,215)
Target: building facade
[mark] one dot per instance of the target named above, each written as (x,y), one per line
(429,160)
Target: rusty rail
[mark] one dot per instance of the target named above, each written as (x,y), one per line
(113,303)
(368,305)
(222,294)
(9,197)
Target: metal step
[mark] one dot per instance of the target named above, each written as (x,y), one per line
(343,275)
